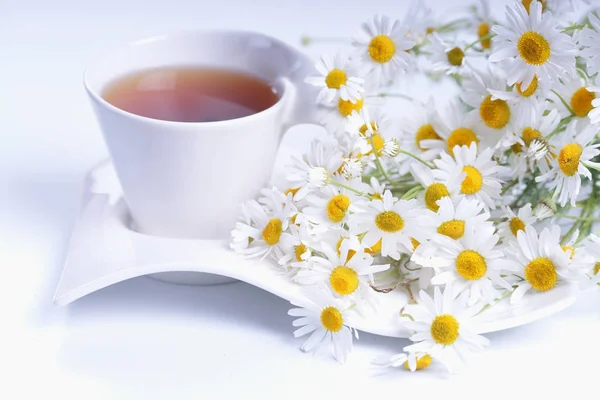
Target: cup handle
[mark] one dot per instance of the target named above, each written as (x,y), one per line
(300,106)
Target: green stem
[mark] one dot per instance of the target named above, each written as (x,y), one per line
(419,159)
(407,316)
(349,188)
(481,39)
(577,218)
(560,126)
(508,187)
(378,161)
(412,193)
(564,102)
(499,299)
(397,95)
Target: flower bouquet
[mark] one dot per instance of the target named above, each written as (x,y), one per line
(488,197)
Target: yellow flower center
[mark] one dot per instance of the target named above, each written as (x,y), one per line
(293,191)
(444,329)
(332,319)
(299,250)
(471,265)
(568,158)
(389,221)
(344,280)
(433,193)
(581,102)
(569,249)
(482,31)
(530,90)
(534,48)
(376,248)
(335,79)
(422,362)
(597,268)
(363,129)
(541,274)
(345,107)
(415,243)
(378,142)
(461,137)
(337,207)
(516,225)
(454,229)
(426,132)
(351,252)
(473,182)
(527,4)
(455,56)
(430,30)
(529,134)
(494,113)
(381,49)
(272,232)
(516,148)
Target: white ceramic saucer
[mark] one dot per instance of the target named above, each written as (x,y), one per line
(104,250)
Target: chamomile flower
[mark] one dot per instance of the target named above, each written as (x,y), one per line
(472,264)
(457,127)
(515,223)
(411,361)
(477,175)
(484,24)
(454,219)
(330,207)
(421,20)
(573,157)
(434,189)
(578,97)
(589,39)
(533,42)
(338,79)
(529,129)
(419,136)
(327,319)
(297,256)
(523,96)
(450,58)
(334,117)
(382,48)
(347,272)
(315,168)
(395,222)
(367,123)
(495,114)
(443,328)
(263,231)
(539,260)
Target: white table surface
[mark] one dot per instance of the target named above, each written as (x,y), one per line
(146,339)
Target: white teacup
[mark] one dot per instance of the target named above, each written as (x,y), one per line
(188,180)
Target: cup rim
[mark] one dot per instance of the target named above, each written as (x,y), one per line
(282,82)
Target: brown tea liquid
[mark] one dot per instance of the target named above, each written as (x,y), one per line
(190,94)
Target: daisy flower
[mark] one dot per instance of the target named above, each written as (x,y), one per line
(589,40)
(327,319)
(443,328)
(539,260)
(334,117)
(314,169)
(261,231)
(529,129)
(382,48)
(520,95)
(573,158)
(434,189)
(457,127)
(532,40)
(347,272)
(338,79)
(411,361)
(419,136)
(330,207)
(484,23)
(495,114)
(575,98)
(471,264)
(477,175)
(515,223)
(420,20)
(367,123)
(395,222)
(297,256)
(447,57)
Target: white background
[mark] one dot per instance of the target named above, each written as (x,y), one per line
(146,339)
